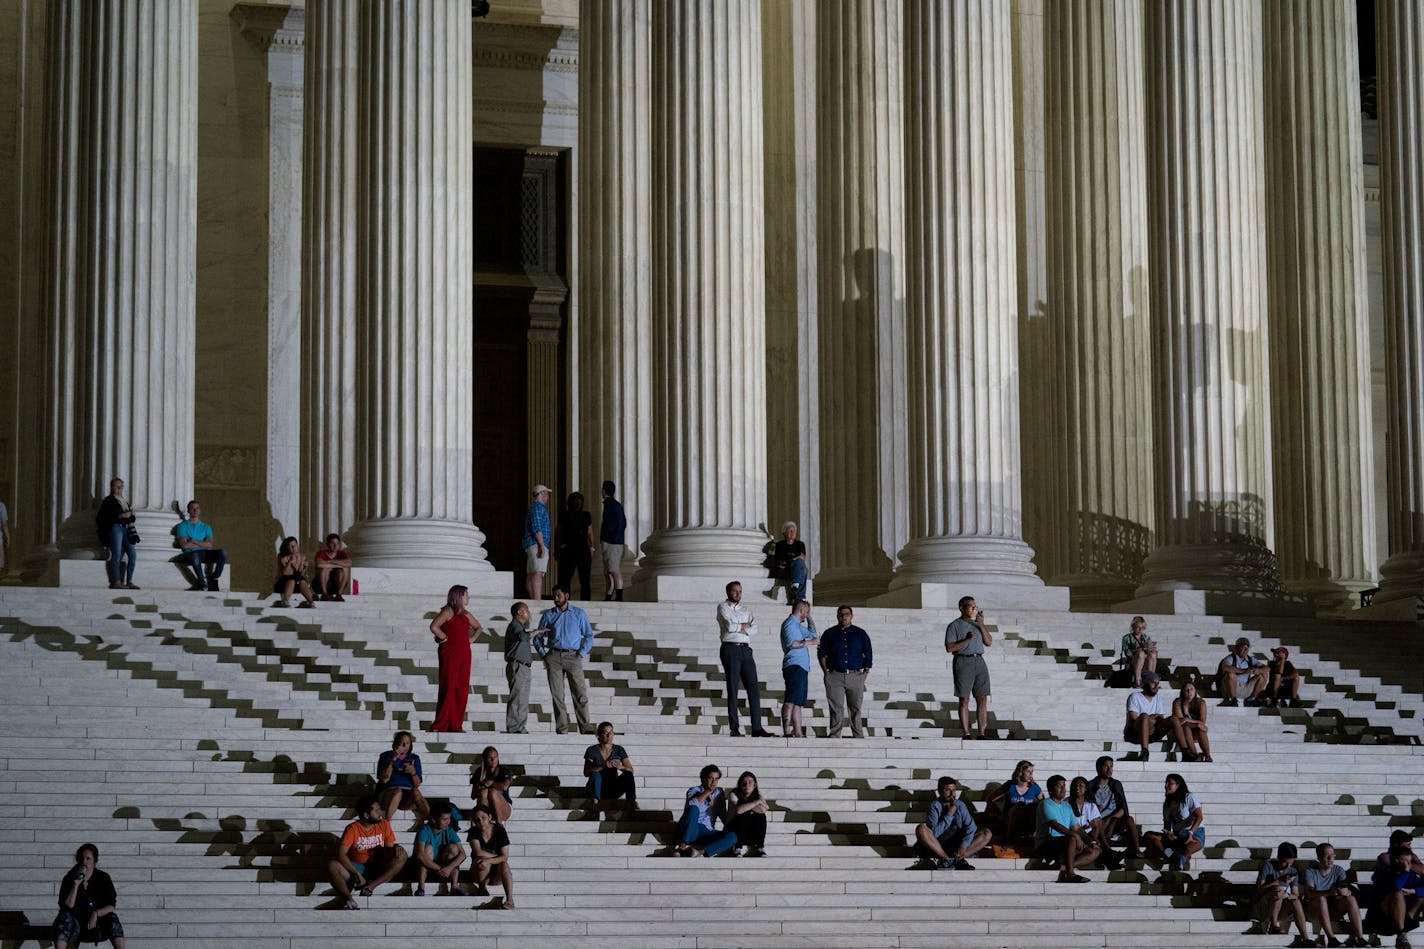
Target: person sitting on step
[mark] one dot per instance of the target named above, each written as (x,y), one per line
(697,834)
(1147,716)
(1090,821)
(1111,798)
(489,850)
(438,850)
(1278,887)
(1328,895)
(948,835)
(489,785)
(1016,800)
(1283,686)
(333,569)
(1139,651)
(609,771)
(198,550)
(1182,832)
(1189,723)
(1241,675)
(399,777)
(86,904)
(1399,901)
(291,575)
(368,854)
(1059,838)
(746,813)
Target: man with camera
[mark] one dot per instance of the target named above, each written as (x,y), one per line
(86,904)
(115,522)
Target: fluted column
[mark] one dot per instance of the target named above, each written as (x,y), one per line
(120,275)
(414,197)
(965,492)
(1206,209)
(1097,302)
(615,345)
(1318,295)
(709,439)
(861,267)
(329,336)
(1399,34)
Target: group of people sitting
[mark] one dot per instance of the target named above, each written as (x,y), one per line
(1072,825)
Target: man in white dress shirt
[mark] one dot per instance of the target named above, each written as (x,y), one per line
(737,626)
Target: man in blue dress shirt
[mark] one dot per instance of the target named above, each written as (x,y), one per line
(567,644)
(846,659)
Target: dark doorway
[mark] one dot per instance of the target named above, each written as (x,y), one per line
(520,312)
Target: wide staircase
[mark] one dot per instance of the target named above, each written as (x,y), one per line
(212,745)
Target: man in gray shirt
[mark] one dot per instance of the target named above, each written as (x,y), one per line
(518,656)
(966,639)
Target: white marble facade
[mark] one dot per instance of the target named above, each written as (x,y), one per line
(974,292)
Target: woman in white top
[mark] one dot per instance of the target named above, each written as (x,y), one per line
(1090,819)
(1182,832)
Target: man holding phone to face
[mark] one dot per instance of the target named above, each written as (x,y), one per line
(966,639)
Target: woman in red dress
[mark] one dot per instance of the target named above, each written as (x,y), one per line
(454,630)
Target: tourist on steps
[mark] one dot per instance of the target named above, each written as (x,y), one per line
(1241,675)
(291,575)
(965,638)
(489,852)
(490,784)
(454,629)
(1278,888)
(746,815)
(574,546)
(1328,895)
(697,834)
(115,522)
(846,658)
(1016,800)
(566,641)
(535,542)
(1283,685)
(736,626)
(789,563)
(1182,832)
(609,771)
(1059,837)
(1148,716)
(612,533)
(399,777)
(1139,652)
(438,850)
(368,854)
(86,904)
(1189,723)
(198,549)
(797,633)
(948,835)
(1111,798)
(333,569)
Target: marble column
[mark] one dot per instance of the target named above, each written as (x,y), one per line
(1318,298)
(120,276)
(1097,296)
(1206,208)
(965,491)
(709,436)
(615,337)
(329,247)
(1399,35)
(414,201)
(861,285)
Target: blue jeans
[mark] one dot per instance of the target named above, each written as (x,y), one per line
(119,547)
(710,842)
(607,784)
(798,576)
(195,557)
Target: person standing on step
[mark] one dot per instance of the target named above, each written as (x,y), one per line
(846,658)
(1139,652)
(736,626)
(438,850)
(573,544)
(746,815)
(115,520)
(368,854)
(86,904)
(569,640)
(797,633)
(333,569)
(536,542)
(609,771)
(197,548)
(490,784)
(1148,716)
(454,629)
(5,539)
(948,835)
(612,534)
(789,562)
(966,638)
(399,777)
(518,658)
(291,575)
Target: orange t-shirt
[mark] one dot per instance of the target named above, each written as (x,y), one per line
(360,839)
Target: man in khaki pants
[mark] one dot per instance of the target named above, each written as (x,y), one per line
(846,658)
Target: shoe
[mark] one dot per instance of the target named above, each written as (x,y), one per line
(561,730)
(962,864)
(762,733)
(132,586)
(1205,758)
(198,587)
(736,733)
(1189,756)
(284,604)
(306,605)
(756,852)
(367,891)
(1072,878)
(1358,941)
(337,598)
(1334,943)
(116,586)
(350,904)
(213,585)
(1230,703)
(1300,943)
(618,596)
(1401,942)
(1144,755)
(944,864)
(420,891)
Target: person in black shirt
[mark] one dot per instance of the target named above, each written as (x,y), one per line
(114,522)
(846,658)
(1283,687)
(612,533)
(789,563)
(489,785)
(86,904)
(489,846)
(573,544)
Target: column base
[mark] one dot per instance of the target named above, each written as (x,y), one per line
(991,597)
(966,560)
(757,591)
(725,553)
(852,586)
(432,581)
(1401,578)
(1094,593)
(413,543)
(1212,603)
(150,573)
(1329,598)
(1244,568)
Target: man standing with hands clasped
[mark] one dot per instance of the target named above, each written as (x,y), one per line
(966,639)
(846,659)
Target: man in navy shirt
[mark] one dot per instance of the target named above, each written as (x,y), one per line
(845,658)
(611,535)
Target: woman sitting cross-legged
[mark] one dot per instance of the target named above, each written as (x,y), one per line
(609,771)
(746,815)
(489,852)
(1058,836)
(696,833)
(1182,832)
(1189,724)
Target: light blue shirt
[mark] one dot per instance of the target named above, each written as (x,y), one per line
(187,530)
(569,629)
(704,811)
(792,631)
(955,819)
(536,521)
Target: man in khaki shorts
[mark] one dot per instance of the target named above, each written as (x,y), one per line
(966,639)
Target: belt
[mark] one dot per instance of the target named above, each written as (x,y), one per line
(520,662)
(848,671)
(557,649)
(972,655)
(728,642)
